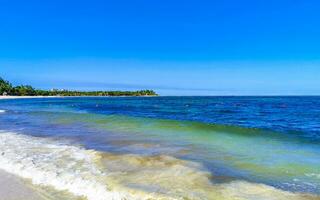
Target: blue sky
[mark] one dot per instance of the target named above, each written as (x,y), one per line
(175,47)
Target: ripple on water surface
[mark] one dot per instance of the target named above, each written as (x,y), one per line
(101,176)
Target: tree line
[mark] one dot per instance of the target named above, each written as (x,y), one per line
(6,88)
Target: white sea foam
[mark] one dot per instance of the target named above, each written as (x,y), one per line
(98,176)
(2,111)
(61,166)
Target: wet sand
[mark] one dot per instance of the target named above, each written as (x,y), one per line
(14,188)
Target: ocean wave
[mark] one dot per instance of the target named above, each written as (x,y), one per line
(105,176)
(2,111)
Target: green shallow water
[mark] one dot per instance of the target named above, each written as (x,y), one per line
(285,161)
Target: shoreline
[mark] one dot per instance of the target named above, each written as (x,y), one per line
(13,188)
(26,97)
(44,97)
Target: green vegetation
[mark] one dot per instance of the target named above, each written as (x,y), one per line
(6,88)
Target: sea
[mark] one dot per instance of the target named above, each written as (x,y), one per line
(143,148)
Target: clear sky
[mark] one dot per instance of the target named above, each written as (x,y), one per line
(177,47)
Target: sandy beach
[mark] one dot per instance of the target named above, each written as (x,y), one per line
(26,97)
(14,188)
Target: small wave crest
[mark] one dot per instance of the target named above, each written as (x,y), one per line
(105,176)
(47,163)
(2,111)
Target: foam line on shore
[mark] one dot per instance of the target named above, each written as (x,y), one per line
(104,176)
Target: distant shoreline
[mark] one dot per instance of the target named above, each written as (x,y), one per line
(7,89)
(26,97)
(40,97)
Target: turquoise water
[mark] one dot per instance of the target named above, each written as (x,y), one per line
(273,141)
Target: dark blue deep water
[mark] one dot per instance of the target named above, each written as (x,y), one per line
(284,114)
(296,115)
